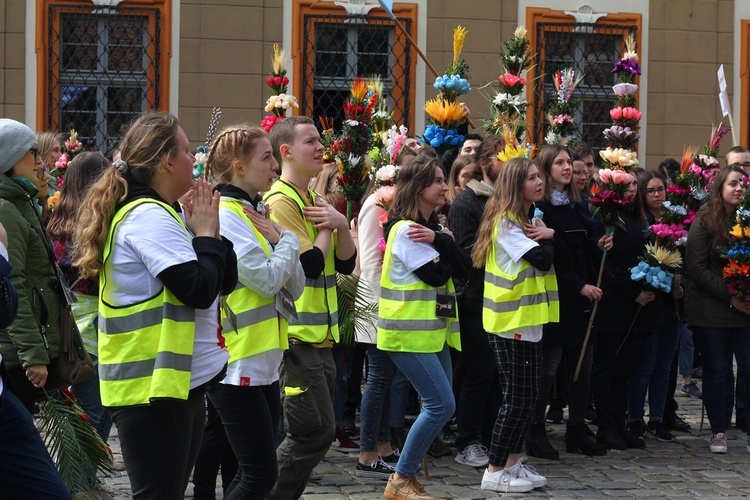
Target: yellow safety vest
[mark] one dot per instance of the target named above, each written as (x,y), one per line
(145,349)
(407,321)
(317,307)
(259,326)
(512,301)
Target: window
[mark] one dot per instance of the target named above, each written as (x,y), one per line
(338,48)
(103,68)
(592,50)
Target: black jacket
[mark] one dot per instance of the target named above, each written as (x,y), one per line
(576,259)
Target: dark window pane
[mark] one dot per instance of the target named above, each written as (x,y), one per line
(125,45)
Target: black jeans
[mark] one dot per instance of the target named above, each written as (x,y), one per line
(160,444)
(479,398)
(611,376)
(215,452)
(250,416)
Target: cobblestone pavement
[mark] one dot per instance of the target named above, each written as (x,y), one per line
(663,470)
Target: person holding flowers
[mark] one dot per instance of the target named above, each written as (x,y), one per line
(719,313)
(242,164)
(624,311)
(652,368)
(417,311)
(575,254)
(520,297)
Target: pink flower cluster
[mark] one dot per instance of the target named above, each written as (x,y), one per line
(668,231)
(607,175)
(621,114)
(269,121)
(560,119)
(62,162)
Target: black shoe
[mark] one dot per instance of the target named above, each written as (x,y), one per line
(579,440)
(398,437)
(392,459)
(537,445)
(378,470)
(437,449)
(611,439)
(675,423)
(659,431)
(590,415)
(347,425)
(554,415)
(632,437)
(698,372)
(637,428)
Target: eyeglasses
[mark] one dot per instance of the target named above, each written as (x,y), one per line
(745,164)
(653,191)
(41,172)
(35,152)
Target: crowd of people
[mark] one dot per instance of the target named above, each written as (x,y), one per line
(219,295)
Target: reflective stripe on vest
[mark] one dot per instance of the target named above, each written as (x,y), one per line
(527,298)
(317,307)
(406,314)
(145,349)
(259,327)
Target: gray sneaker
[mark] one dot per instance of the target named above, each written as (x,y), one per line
(474,455)
(691,390)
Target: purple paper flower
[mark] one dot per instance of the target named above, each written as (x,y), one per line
(631,67)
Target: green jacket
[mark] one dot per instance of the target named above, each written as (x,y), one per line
(34,278)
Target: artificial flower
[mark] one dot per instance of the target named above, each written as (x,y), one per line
(627,66)
(62,162)
(520,32)
(607,176)
(459,35)
(510,80)
(624,89)
(618,157)
(452,83)
(359,89)
(448,114)
(387,173)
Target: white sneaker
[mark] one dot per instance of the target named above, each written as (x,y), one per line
(474,455)
(505,481)
(530,474)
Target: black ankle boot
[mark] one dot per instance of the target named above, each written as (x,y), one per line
(611,439)
(633,439)
(537,445)
(578,440)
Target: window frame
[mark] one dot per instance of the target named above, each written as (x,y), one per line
(44,99)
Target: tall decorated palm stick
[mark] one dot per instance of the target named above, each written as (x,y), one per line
(618,159)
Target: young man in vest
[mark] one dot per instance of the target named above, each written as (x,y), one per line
(308,371)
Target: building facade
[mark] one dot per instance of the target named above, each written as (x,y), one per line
(70,63)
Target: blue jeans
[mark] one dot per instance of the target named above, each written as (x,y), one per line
(400,388)
(26,469)
(716,347)
(431,375)
(687,349)
(652,368)
(374,427)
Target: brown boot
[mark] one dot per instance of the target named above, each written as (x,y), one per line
(406,489)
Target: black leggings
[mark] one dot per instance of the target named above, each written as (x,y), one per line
(160,444)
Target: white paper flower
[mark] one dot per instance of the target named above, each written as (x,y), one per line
(386,173)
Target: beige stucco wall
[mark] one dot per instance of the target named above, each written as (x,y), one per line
(688,42)
(12,19)
(489,22)
(225,53)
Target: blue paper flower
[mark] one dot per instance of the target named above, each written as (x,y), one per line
(436,136)
(652,276)
(452,83)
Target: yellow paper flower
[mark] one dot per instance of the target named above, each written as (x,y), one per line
(665,257)
(277,59)
(619,158)
(445,113)
(459,35)
(359,89)
(514,151)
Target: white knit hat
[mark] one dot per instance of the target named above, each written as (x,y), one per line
(15,141)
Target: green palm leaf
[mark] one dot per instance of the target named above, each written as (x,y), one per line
(354,308)
(75,447)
